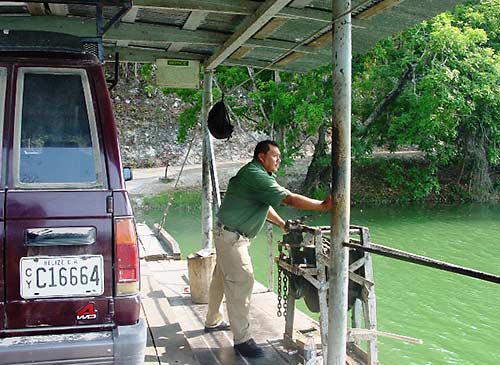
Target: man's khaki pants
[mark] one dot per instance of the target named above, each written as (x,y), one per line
(233,276)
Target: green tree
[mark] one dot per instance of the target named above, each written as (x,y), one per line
(437,86)
(288,107)
(295,107)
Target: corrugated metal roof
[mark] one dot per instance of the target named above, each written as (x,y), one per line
(225,23)
(160,17)
(246,32)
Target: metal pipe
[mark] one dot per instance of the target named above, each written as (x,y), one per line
(424,261)
(207,197)
(126,6)
(341,184)
(99,19)
(214,177)
(270,257)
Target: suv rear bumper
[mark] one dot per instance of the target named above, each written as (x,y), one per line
(125,345)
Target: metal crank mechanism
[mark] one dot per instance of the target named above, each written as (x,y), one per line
(303,263)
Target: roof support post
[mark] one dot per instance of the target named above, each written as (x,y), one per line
(341,183)
(206,181)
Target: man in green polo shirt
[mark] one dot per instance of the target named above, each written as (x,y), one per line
(249,200)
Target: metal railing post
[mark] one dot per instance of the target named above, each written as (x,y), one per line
(270,260)
(207,197)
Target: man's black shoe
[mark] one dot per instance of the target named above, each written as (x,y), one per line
(222,326)
(249,349)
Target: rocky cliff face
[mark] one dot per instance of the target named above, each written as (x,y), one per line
(148,124)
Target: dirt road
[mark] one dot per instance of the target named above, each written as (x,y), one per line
(151,182)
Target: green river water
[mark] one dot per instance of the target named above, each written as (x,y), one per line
(457,317)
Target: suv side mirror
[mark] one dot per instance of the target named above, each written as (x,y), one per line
(127,173)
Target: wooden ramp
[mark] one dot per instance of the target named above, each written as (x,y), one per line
(176,325)
(150,248)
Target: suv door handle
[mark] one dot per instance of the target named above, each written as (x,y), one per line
(60,236)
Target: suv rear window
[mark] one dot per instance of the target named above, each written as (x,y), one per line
(55,135)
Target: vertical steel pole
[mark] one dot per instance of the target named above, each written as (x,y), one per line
(100,31)
(207,196)
(270,258)
(341,183)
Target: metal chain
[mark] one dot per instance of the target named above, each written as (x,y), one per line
(285,292)
(283,279)
(280,274)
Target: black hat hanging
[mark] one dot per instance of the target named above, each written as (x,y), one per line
(218,121)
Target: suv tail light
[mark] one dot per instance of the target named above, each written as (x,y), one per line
(127,257)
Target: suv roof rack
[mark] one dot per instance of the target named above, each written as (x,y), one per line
(93,44)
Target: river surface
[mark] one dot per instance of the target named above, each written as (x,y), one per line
(457,317)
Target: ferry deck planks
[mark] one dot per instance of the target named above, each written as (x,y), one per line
(175,324)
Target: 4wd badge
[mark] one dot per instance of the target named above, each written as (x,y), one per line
(87,312)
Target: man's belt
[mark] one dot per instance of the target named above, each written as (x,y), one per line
(231,229)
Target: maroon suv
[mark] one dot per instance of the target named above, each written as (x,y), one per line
(69,267)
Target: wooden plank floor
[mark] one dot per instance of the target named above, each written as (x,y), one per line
(175,324)
(166,342)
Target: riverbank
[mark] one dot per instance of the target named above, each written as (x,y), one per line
(148,126)
(371,182)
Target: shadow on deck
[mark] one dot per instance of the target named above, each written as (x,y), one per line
(175,324)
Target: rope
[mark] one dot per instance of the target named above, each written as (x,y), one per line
(169,203)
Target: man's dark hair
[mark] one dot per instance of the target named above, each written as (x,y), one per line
(263,147)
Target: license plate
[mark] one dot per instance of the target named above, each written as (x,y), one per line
(61,276)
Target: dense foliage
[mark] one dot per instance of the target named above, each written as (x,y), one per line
(434,87)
